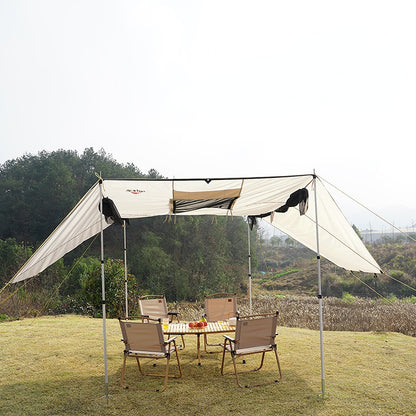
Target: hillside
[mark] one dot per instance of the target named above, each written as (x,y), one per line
(293,270)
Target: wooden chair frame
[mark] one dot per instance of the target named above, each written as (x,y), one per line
(219,306)
(155,349)
(155,307)
(241,345)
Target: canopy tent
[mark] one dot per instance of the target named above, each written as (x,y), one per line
(298,205)
(251,197)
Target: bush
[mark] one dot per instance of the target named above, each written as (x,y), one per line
(91,287)
(3,317)
(411,299)
(347,297)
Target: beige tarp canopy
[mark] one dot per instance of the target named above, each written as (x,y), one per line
(250,197)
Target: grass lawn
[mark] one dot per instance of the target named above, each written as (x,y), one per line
(54,366)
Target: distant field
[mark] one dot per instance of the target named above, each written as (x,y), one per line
(354,314)
(54,366)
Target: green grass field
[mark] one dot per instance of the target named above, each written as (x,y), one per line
(54,366)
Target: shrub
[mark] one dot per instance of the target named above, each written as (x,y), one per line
(411,299)
(3,317)
(91,292)
(347,297)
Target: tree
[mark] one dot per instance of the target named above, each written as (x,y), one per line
(38,191)
(290,242)
(275,241)
(12,256)
(357,231)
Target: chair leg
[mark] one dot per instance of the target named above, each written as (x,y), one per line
(123,371)
(261,363)
(223,357)
(207,344)
(166,374)
(140,367)
(254,370)
(178,361)
(278,364)
(167,368)
(210,345)
(235,370)
(183,342)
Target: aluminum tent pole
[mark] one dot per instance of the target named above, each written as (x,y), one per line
(249,268)
(103,292)
(125,268)
(321,325)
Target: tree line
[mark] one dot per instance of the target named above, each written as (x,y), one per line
(183,259)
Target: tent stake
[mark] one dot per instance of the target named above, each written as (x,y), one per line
(321,325)
(103,291)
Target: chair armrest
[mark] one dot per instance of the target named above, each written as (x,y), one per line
(173,315)
(229,338)
(168,341)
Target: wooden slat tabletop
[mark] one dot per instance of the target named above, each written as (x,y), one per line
(183,328)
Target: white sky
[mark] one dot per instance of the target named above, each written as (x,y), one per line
(220,88)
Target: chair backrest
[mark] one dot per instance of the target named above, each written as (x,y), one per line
(142,336)
(255,331)
(153,306)
(220,306)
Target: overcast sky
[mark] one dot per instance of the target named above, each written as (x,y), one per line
(221,88)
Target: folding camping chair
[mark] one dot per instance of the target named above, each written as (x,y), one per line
(219,307)
(145,340)
(253,335)
(155,307)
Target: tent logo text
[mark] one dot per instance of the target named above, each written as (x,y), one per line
(135,191)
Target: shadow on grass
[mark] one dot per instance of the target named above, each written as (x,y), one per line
(201,391)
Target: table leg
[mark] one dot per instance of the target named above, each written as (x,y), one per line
(198,347)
